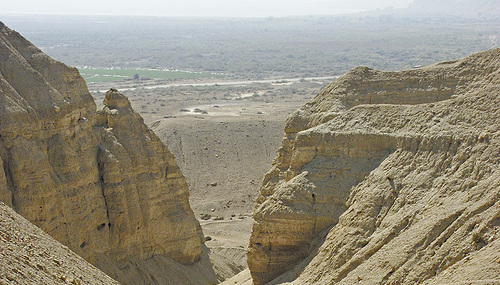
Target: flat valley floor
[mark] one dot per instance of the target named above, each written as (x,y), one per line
(224,138)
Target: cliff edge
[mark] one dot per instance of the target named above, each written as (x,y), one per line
(101,183)
(387,177)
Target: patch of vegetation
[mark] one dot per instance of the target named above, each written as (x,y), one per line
(118,74)
(258,48)
(478,238)
(205,217)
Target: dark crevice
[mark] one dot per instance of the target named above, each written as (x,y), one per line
(315,214)
(8,175)
(101,181)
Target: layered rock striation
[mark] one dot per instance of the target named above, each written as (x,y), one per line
(99,182)
(386,177)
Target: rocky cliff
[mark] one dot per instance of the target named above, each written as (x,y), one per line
(387,177)
(99,182)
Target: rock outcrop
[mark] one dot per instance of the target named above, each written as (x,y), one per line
(387,177)
(30,256)
(99,182)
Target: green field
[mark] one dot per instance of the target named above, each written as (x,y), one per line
(118,74)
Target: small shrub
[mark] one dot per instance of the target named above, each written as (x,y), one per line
(205,216)
(478,238)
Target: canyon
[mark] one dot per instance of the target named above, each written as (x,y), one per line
(383,177)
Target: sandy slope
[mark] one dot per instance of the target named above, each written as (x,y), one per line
(30,256)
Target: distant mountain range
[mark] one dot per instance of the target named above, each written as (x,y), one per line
(467,8)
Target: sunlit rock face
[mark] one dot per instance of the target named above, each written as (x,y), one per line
(101,182)
(386,177)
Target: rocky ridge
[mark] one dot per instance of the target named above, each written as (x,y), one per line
(386,177)
(99,182)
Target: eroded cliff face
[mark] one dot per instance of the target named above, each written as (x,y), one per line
(386,177)
(99,182)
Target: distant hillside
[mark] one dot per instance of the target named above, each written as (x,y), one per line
(467,8)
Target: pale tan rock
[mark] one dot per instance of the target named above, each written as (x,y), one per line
(404,168)
(99,182)
(139,173)
(30,256)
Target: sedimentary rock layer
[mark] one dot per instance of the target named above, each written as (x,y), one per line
(99,182)
(386,177)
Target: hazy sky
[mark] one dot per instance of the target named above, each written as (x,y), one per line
(223,8)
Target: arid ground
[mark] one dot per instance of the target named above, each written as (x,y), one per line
(224,137)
